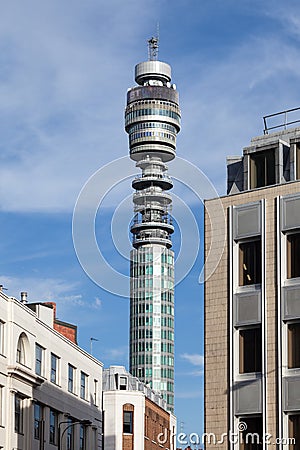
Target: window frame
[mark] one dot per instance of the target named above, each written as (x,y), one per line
(83,386)
(21,350)
(262,168)
(82,437)
(256,349)
(39,361)
(53,427)
(54,371)
(293,348)
(127,422)
(292,252)
(71,380)
(18,414)
(2,326)
(37,418)
(252,263)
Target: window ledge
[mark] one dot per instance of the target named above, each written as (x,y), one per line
(249,288)
(292,282)
(248,376)
(292,372)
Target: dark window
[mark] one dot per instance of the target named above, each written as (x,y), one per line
(83,378)
(128,422)
(82,433)
(70,435)
(96,392)
(294,345)
(262,169)
(71,371)
(54,369)
(53,427)
(293,255)
(250,263)
(37,420)
(252,436)
(250,350)
(21,350)
(38,359)
(294,431)
(18,414)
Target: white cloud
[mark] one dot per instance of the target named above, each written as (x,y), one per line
(195,359)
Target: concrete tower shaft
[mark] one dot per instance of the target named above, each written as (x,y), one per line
(152,121)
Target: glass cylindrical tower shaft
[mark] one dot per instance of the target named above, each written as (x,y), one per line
(152,121)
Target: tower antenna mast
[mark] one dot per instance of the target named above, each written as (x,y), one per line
(153,46)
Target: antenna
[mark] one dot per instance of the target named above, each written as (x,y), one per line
(153,46)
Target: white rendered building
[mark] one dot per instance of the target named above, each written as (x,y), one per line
(50,389)
(135,416)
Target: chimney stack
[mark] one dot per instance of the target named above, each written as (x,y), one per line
(24,297)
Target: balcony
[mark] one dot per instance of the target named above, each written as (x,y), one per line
(144,181)
(152,195)
(144,237)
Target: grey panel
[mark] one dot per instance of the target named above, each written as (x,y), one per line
(291,302)
(248,397)
(291,212)
(247,220)
(291,393)
(247,308)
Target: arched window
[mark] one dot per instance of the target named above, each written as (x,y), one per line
(21,349)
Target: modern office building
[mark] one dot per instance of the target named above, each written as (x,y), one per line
(135,416)
(50,389)
(152,120)
(252,298)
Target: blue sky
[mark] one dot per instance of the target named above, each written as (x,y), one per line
(64,71)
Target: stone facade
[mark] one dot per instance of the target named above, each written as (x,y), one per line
(221,345)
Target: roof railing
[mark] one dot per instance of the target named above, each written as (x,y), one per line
(285,123)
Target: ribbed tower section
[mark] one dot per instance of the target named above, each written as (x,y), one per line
(152,120)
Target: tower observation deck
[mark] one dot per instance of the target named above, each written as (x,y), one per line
(152,121)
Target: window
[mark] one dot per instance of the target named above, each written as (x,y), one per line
(252,436)
(21,350)
(250,263)
(96,392)
(71,373)
(70,435)
(38,359)
(18,414)
(53,427)
(128,422)
(294,345)
(82,439)
(83,380)
(37,420)
(293,255)
(1,337)
(250,350)
(123,383)
(1,405)
(262,169)
(294,431)
(297,161)
(54,369)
